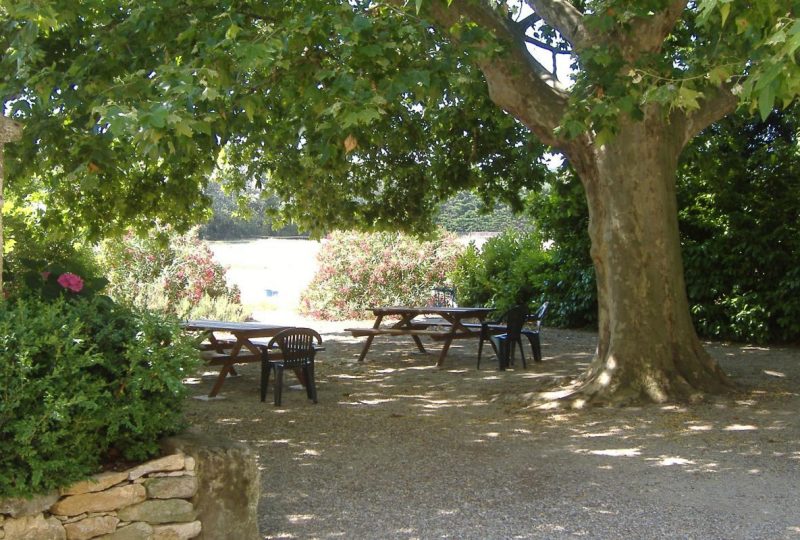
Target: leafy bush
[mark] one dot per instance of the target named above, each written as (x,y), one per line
(511,269)
(170,273)
(82,380)
(739,195)
(360,270)
(562,219)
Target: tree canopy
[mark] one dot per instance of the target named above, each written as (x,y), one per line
(355,115)
(130,106)
(367,114)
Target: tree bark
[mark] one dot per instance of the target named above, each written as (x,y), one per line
(10,131)
(647,346)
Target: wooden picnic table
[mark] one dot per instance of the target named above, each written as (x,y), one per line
(227,352)
(450,325)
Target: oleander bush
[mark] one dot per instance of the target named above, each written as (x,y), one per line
(83,380)
(170,273)
(360,270)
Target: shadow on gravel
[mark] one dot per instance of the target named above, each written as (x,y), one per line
(397,448)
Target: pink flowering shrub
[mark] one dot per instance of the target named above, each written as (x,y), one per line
(360,270)
(69,281)
(170,273)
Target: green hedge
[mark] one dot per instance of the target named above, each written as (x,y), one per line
(507,271)
(84,381)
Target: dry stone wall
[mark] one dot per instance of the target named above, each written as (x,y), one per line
(152,501)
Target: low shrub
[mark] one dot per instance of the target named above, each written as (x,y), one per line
(84,380)
(360,270)
(510,269)
(170,273)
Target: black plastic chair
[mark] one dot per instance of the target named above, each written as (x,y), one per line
(505,334)
(294,348)
(443,297)
(534,331)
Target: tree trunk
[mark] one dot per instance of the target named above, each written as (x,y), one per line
(647,348)
(10,131)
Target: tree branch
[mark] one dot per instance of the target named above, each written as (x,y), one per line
(517,82)
(717,104)
(542,45)
(564,17)
(647,34)
(528,21)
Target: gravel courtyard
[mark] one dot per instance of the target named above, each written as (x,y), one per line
(399,449)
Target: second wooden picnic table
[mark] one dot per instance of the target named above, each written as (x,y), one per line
(449,324)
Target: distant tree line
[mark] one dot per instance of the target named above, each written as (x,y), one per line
(465,213)
(239,218)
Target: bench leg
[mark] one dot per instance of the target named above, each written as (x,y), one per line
(419,344)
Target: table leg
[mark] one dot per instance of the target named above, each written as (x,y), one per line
(419,344)
(226,368)
(455,324)
(443,354)
(366,348)
(405,322)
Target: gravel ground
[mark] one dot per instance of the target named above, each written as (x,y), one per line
(399,449)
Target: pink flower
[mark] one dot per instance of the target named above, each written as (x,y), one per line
(70,281)
(45,275)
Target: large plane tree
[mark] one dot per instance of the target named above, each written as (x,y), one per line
(366,114)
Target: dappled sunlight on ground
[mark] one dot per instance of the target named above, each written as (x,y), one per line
(395,429)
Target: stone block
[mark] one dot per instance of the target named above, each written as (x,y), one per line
(174,462)
(20,506)
(98,482)
(165,487)
(134,531)
(177,531)
(159,511)
(34,527)
(91,527)
(228,484)
(70,519)
(103,501)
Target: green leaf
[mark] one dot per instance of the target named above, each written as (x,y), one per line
(183,128)
(766,100)
(724,11)
(687,99)
(233,31)
(603,136)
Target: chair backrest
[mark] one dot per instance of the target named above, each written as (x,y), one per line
(515,319)
(538,317)
(296,345)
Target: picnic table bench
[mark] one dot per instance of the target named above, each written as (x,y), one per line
(446,325)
